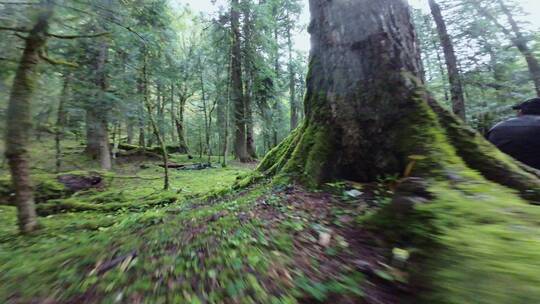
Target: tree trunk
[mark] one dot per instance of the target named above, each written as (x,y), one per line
(154,125)
(130,130)
(369,122)
(456,89)
(172,110)
(240,147)
(223,119)
(179,123)
(97,138)
(207,116)
(250,135)
(440,64)
(368,115)
(97,145)
(18,120)
(292,84)
(249,62)
(140,112)
(61,121)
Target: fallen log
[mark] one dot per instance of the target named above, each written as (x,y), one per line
(51,186)
(173,166)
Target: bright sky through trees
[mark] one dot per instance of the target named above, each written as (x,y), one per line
(532,7)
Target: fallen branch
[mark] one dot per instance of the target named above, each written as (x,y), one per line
(77,36)
(173,165)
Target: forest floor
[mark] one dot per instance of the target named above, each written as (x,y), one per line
(208,241)
(132,242)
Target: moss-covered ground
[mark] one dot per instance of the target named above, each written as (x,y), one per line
(132,242)
(473,242)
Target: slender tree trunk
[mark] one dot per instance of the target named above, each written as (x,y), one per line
(61,121)
(140,112)
(179,124)
(250,134)
(206,114)
(456,89)
(275,110)
(174,138)
(240,147)
(249,58)
(155,126)
(292,77)
(18,120)
(433,39)
(223,112)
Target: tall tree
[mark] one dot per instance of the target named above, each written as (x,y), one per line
(369,115)
(456,89)
(97,110)
(237,88)
(19,124)
(61,120)
(365,77)
(249,67)
(153,123)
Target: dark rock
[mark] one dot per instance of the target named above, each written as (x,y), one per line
(75,183)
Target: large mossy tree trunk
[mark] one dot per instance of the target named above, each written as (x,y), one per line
(19,121)
(367,110)
(367,114)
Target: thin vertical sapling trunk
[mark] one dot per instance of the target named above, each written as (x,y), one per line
(292,82)
(154,125)
(456,88)
(61,121)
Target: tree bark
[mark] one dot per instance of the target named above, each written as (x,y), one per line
(240,147)
(456,88)
(367,110)
(292,77)
(179,124)
(368,115)
(130,130)
(97,136)
(154,125)
(61,121)
(18,121)
(249,67)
